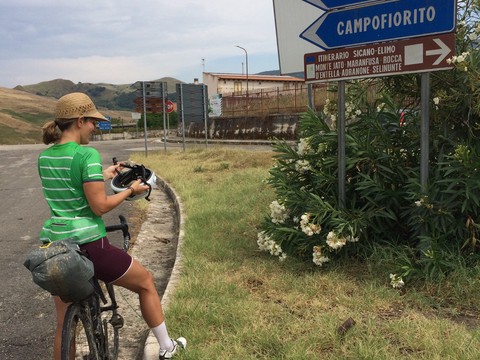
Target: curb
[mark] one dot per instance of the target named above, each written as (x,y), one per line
(151,347)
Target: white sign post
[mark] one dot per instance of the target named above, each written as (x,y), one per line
(291,19)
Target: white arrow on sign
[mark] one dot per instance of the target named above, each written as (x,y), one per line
(443,51)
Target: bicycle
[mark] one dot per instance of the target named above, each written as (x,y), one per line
(91,326)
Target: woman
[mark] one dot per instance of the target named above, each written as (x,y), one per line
(73,186)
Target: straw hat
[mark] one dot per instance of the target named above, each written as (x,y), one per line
(75,105)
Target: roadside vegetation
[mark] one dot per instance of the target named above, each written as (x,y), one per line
(235,301)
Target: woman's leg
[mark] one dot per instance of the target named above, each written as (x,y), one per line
(60,309)
(140,280)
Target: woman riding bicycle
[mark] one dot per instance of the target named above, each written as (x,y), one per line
(73,185)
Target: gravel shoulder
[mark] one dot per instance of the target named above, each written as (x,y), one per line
(156,248)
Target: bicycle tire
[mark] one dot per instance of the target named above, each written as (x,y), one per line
(78,334)
(111,338)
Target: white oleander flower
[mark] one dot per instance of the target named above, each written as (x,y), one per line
(396,281)
(278,212)
(303,147)
(267,244)
(302,166)
(308,228)
(334,241)
(352,239)
(318,258)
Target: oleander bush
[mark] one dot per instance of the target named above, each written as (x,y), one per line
(431,231)
(385,205)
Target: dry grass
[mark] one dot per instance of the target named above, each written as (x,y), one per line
(234,302)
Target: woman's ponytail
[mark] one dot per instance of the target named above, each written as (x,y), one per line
(51,133)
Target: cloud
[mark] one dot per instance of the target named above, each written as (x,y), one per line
(121,41)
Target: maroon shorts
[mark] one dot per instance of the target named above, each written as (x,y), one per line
(110,262)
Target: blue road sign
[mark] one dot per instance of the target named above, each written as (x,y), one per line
(104,125)
(383,21)
(334,4)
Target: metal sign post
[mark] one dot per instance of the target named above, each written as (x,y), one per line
(341,144)
(425,130)
(183,114)
(164,101)
(144,117)
(205,112)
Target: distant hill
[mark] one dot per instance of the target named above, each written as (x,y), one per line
(114,97)
(22,115)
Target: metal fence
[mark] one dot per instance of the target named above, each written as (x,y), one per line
(288,101)
(273,101)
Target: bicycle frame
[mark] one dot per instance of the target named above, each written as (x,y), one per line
(87,315)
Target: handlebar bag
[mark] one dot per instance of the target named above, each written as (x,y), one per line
(62,269)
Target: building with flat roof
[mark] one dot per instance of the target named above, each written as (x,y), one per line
(228,84)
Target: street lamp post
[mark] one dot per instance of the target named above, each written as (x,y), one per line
(246,67)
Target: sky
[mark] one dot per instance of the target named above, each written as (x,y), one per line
(124,41)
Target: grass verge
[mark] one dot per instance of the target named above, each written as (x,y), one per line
(234,302)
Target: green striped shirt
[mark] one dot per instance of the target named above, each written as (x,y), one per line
(63,169)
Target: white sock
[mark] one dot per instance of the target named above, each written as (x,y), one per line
(163,339)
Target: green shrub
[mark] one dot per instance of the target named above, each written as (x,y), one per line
(384,203)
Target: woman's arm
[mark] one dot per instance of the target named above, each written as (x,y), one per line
(101,203)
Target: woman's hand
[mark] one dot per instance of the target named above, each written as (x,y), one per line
(139,187)
(111,171)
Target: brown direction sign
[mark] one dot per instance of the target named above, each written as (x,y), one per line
(153,105)
(428,53)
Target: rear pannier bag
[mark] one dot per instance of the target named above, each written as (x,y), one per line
(62,269)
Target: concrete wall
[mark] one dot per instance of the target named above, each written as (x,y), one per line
(251,127)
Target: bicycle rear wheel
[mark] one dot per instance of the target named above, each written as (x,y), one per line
(78,337)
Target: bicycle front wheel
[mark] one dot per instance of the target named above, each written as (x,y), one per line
(110,330)
(78,339)
(112,322)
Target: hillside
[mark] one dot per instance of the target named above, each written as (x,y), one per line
(22,115)
(118,97)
